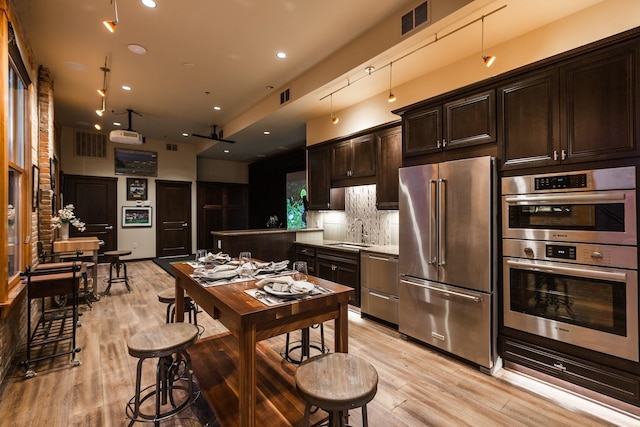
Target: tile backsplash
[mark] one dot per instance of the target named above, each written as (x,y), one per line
(380,227)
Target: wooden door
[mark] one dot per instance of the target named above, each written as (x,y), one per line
(95,204)
(173,218)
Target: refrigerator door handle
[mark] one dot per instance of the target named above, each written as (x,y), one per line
(442,214)
(433,221)
(473,298)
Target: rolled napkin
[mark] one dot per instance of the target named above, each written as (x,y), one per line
(287,280)
(224,267)
(217,257)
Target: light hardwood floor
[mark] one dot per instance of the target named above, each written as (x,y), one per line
(417,386)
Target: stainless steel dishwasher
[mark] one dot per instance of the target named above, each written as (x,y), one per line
(379,286)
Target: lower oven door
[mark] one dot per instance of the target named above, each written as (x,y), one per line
(590,307)
(453,319)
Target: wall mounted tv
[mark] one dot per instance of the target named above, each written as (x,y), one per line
(136,162)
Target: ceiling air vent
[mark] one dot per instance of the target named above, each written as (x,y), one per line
(415,17)
(89,144)
(284,96)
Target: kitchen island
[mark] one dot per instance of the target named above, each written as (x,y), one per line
(268,243)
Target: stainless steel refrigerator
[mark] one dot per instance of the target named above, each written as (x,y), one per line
(447,261)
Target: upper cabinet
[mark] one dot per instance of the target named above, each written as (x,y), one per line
(321,195)
(354,158)
(389,161)
(580,110)
(457,123)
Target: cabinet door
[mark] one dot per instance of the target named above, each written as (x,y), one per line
(389,161)
(348,275)
(470,121)
(529,114)
(363,156)
(422,131)
(599,105)
(319,180)
(341,160)
(325,269)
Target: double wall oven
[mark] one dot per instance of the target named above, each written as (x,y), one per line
(570,268)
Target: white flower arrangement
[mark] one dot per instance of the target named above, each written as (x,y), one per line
(66,215)
(12,214)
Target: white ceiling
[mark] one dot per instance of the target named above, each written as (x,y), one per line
(231,46)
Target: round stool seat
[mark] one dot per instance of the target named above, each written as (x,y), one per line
(162,340)
(168,296)
(336,382)
(117,253)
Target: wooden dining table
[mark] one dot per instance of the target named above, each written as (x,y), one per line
(250,320)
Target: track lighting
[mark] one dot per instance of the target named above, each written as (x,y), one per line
(101,111)
(111,25)
(392,97)
(334,119)
(488,60)
(103,90)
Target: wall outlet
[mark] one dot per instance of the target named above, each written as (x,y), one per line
(135,246)
(219,244)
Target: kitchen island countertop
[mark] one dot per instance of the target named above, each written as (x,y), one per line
(264,231)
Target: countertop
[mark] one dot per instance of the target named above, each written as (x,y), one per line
(263,231)
(331,244)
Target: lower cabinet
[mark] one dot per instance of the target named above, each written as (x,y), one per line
(308,255)
(341,267)
(606,380)
(379,282)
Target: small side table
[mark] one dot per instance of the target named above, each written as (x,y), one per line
(117,264)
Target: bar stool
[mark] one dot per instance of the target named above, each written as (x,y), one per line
(335,383)
(169,344)
(168,296)
(304,345)
(117,264)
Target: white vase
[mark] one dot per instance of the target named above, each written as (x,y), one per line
(64,231)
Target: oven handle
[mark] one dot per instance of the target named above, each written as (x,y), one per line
(444,291)
(592,274)
(564,198)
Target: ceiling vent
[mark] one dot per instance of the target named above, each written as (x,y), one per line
(285,95)
(415,18)
(89,144)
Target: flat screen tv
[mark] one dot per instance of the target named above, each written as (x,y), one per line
(136,162)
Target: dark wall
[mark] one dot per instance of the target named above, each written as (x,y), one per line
(267,186)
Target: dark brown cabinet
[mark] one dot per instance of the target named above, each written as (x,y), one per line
(221,206)
(355,158)
(528,109)
(581,110)
(321,195)
(308,255)
(389,161)
(341,267)
(462,122)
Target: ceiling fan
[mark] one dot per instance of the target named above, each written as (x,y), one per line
(215,136)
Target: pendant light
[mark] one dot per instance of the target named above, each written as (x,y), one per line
(111,25)
(488,60)
(334,119)
(101,111)
(392,97)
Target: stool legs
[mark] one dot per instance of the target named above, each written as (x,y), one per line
(117,265)
(169,370)
(305,345)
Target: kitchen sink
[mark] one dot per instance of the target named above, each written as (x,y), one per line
(350,245)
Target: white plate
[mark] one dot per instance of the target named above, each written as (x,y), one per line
(308,287)
(223,274)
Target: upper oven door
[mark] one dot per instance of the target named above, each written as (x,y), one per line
(592,216)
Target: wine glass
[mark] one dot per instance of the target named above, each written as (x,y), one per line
(246,266)
(300,268)
(200,254)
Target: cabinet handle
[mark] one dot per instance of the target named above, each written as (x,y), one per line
(108,227)
(555,155)
(560,366)
(444,143)
(328,205)
(564,155)
(438,144)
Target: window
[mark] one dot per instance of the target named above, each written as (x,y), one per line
(18,144)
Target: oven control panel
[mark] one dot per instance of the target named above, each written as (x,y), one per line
(575,253)
(556,182)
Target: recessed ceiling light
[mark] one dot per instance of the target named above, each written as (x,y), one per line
(97,126)
(269,87)
(226,151)
(185,134)
(281,55)
(125,87)
(188,65)
(117,124)
(217,108)
(266,132)
(137,49)
(149,3)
